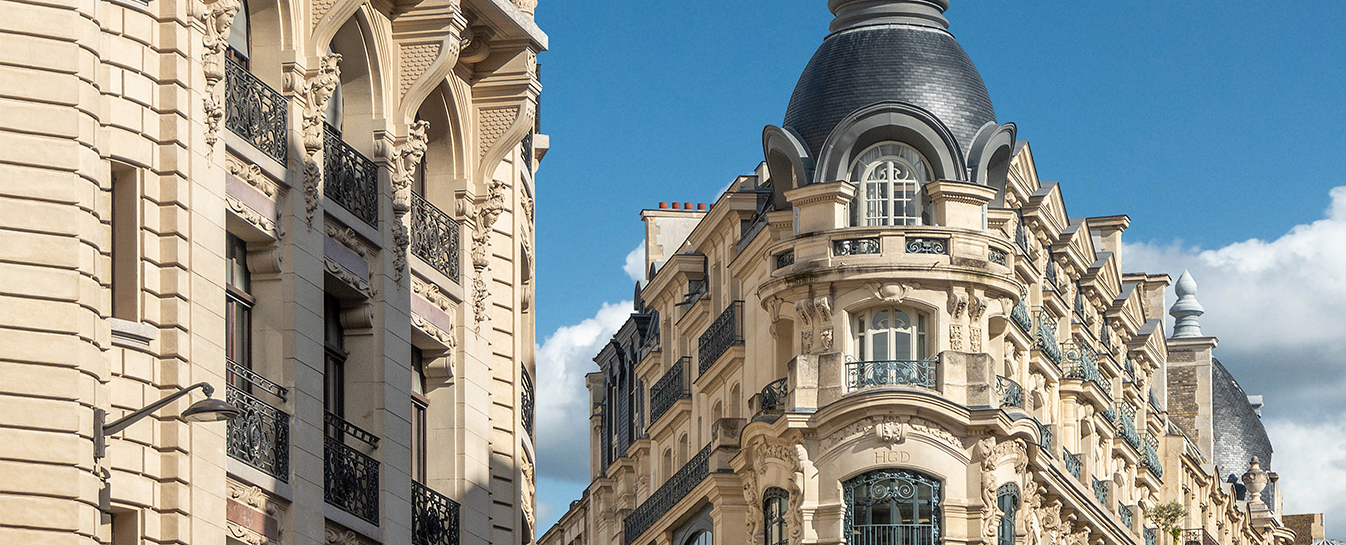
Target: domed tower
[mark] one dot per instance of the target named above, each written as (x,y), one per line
(889,73)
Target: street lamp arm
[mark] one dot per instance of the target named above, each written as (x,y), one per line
(126,421)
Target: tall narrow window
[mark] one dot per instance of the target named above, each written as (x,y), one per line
(890,334)
(1008,499)
(420,405)
(240,42)
(892,506)
(334,375)
(125,220)
(888,178)
(775,503)
(238,311)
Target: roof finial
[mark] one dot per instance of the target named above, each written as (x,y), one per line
(856,13)
(1186,311)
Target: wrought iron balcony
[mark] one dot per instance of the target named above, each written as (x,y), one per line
(1082,364)
(773,396)
(662,501)
(1198,536)
(867,374)
(434,519)
(936,246)
(1151,536)
(1045,430)
(1021,316)
(1125,513)
(435,238)
(255,112)
(1124,421)
(350,478)
(726,331)
(526,401)
(669,389)
(1079,302)
(998,256)
(1050,275)
(1101,491)
(350,179)
(260,435)
(1021,236)
(1046,336)
(1009,392)
(855,246)
(1072,463)
(785,259)
(1149,456)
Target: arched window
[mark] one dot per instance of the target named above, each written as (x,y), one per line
(890,334)
(892,506)
(1008,499)
(888,179)
(700,538)
(775,503)
(239,40)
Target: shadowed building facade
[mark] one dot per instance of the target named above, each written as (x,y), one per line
(323,211)
(893,332)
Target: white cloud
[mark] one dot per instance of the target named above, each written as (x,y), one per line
(1277,308)
(635,263)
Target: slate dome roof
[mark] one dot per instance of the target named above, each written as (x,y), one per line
(911,63)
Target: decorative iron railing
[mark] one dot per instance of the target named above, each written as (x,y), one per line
(996,255)
(1124,421)
(1151,536)
(1125,513)
(1009,392)
(1072,463)
(1082,364)
(1105,338)
(350,480)
(1021,316)
(866,374)
(937,246)
(669,389)
(855,246)
(350,179)
(726,331)
(1045,430)
(1198,536)
(1021,236)
(434,517)
(338,427)
(668,495)
(773,396)
(238,372)
(1101,491)
(255,111)
(1079,302)
(785,260)
(1050,275)
(1046,336)
(435,238)
(526,400)
(1149,456)
(260,435)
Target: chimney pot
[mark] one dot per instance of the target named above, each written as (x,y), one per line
(701,206)
(677,206)
(663,206)
(687,205)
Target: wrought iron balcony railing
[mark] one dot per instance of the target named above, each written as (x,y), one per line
(1072,463)
(1198,536)
(1009,392)
(435,238)
(1082,364)
(867,374)
(1050,275)
(1101,491)
(1021,316)
(255,112)
(1125,513)
(350,480)
(785,259)
(1149,456)
(1124,421)
(434,519)
(855,246)
(1045,430)
(662,501)
(669,389)
(526,400)
(726,331)
(998,256)
(1151,536)
(1046,336)
(350,179)
(260,435)
(1021,236)
(936,246)
(773,396)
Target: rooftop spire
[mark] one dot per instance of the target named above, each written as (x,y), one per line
(856,13)
(1186,310)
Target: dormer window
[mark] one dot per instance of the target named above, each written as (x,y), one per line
(888,179)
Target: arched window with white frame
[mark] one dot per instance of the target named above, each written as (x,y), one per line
(888,179)
(890,333)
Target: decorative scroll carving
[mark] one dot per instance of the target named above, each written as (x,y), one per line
(242,533)
(991,456)
(432,293)
(252,174)
(251,496)
(891,293)
(957,304)
(956,337)
(528,494)
(343,537)
(526,6)
(816,314)
(249,215)
(908,426)
(487,214)
(975,336)
(754,502)
(406,160)
(218,18)
(351,279)
(348,238)
(474,45)
(317,91)
(434,331)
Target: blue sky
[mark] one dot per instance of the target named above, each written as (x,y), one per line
(1213,125)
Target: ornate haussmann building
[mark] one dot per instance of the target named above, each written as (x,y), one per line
(319,212)
(894,333)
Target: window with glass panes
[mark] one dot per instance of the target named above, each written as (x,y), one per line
(238,304)
(775,503)
(888,179)
(889,334)
(334,372)
(1008,499)
(420,405)
(892,506)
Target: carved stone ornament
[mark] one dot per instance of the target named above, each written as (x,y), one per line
(342,537)
(1256,480)
(487,213)
(251,496)
(348,238)
(910,427)
(406,161)
(754,505)
(218,18)
(317,91)
(975,336)
(991,456)
(957,304)
(242,533)
(890,293)
(816,316)
(431,292)
(976,306)
(892,433)
(956,337)
(445,338)
(252,174)
(351,279)
(251,216)
(773,310)
(528,494)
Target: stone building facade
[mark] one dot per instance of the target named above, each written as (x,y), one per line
(323,211)
(894,333)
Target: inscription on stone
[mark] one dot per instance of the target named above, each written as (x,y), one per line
(891,456)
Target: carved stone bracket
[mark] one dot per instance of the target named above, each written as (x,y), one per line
(218,17)
(317,90)
(406,160)
(252,174)
(487,213)
(816,314)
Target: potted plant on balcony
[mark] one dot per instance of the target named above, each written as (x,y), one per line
(1167,517)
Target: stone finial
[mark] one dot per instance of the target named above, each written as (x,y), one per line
(857,13)
(1186,311)
(1255,480)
